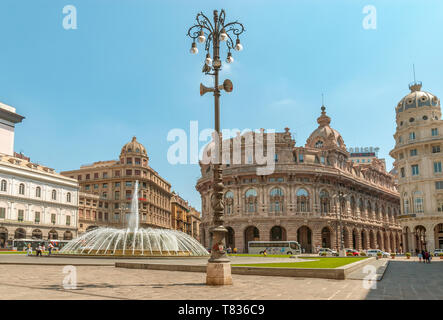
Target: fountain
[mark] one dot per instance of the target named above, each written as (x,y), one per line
(134,241)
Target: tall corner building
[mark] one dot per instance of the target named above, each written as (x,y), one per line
(106,189)
(418,161)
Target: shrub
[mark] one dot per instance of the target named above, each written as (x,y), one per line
(349,254)
(440,254)
(407,254)
(363,254)
(323,254)
(392,254)
(379,254)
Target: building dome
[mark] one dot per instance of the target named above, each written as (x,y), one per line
(134,147)
(417,99)
(324,135)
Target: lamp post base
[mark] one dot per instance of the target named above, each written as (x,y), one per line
(218,274)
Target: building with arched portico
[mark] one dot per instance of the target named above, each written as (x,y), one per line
(418,162)
(300,199)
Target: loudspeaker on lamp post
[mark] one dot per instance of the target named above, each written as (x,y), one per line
(227,86)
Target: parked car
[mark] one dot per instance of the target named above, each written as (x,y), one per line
(437,252)
(373,253)
(353,251)
(329,252)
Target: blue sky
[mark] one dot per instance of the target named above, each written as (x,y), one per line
(126,70)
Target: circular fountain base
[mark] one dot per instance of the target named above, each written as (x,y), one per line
(138,243)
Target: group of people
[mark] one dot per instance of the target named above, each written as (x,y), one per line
(424,256)
(39,250)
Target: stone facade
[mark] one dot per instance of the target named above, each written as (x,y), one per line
(185,218)
(418,163)
(300,199)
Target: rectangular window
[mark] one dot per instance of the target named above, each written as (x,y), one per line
(116,216)
(129,160)
(87,187)
(105,175)
(104,195)
(128,183)
(79,178)
(300,158)
(95,186)
(53,217)
(96,175)
(128,172)
(434,132)
(401,156)
(412,136)
(2,213)
(88,176)
(21,214)
(137,160)
(68,220)
(105,185)
(413,152)
(137,172)
(415,170)
(117,173)
(106,216)
(435,149)
(437,167)
(117,195)
(276,157)
(402,172)
(116,205)
(37,217)
(438,185)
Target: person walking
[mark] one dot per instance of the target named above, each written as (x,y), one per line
(29,252)
(426,257)
(420,256)
(423,254)
(51,246)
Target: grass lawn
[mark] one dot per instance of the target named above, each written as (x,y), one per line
(259,255)
(319,262)
(18,252)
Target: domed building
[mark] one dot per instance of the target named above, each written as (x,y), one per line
(418,162)
(313,190)
(106,189)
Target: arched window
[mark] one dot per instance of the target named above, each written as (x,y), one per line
(276,200)
(302,200)
(353,206)
(319,144)
(54,195)
(21,189)
(38,192)
(3,185)
(324,201)
(251,200)
(418,202)
(405,203)
(68,197)
(229,202)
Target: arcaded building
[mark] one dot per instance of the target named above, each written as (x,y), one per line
(300,200)
(107,187)
(35,201)
(418,162)
(185,218)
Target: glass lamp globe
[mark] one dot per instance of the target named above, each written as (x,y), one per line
(208,60)
(230,58)
(201,38)
(238,45)
(194,49)
(223,35)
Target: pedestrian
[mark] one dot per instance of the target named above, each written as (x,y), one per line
(420,256)
(235,250)
(426,260)
(423,254)
(29,252)
(43,249)
(265,253)
(50,246)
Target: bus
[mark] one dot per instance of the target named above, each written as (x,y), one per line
(274,247)
(22,244)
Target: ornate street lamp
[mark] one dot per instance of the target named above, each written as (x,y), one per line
(212,34)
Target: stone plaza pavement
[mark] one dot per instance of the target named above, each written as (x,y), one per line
(403,279)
